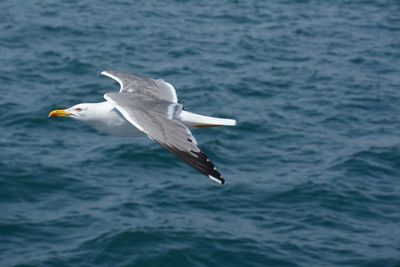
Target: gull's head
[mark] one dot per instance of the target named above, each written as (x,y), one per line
(79,112)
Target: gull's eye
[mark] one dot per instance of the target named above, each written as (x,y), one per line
(78,109)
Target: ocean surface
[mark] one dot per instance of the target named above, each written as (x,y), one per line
(312,168)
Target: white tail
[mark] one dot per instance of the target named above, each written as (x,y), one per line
(200,121)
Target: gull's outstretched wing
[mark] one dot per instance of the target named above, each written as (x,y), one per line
(156,118)
(130,83)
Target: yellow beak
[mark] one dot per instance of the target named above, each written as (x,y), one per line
(59,113)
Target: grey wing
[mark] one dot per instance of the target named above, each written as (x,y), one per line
(131,83)
(156,118)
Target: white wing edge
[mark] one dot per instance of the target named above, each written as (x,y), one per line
(172,88)
(217,180)
(106,73)
(123,111)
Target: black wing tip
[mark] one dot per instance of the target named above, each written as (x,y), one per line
(197,160)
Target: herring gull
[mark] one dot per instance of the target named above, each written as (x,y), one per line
(146,106)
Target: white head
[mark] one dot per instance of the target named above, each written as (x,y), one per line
(82,111)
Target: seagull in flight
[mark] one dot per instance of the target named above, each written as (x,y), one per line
(145,106)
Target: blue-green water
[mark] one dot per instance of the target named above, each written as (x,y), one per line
(312,168)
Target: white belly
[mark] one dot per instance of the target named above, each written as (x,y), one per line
(115,124)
